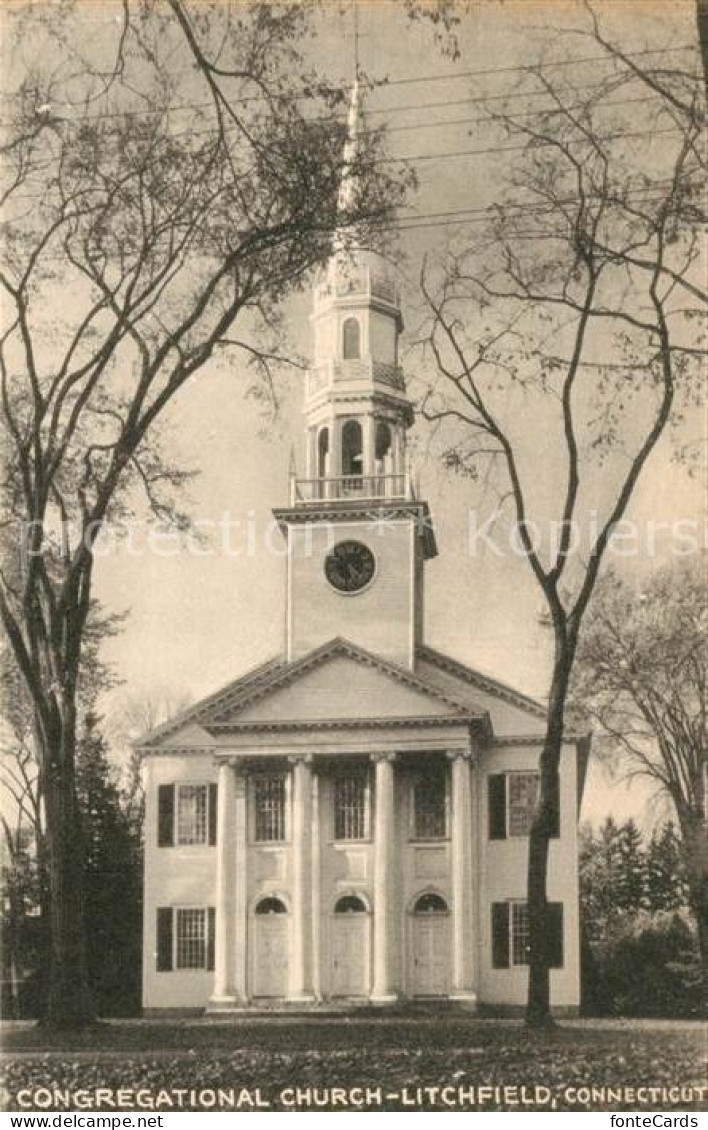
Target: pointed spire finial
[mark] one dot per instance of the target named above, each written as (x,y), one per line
(355,5)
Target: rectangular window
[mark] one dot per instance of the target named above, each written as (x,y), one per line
(522,794)
(510,934)
(192,814)
(519,933)
(350,808)
(194,936)
(430,805)
(512,799)
(269,802)
(191,939)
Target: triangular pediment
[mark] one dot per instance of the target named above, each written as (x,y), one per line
(337,682)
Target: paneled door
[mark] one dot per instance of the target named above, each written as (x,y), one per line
(350,949)
(271,943)
(430,955)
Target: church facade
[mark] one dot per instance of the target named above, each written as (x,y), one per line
(348,823)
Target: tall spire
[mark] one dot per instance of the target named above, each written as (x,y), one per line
(346,201)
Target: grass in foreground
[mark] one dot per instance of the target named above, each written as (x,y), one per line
(625,1066)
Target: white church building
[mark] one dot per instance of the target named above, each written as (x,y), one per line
(348,823)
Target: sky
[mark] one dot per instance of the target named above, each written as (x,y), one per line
(198,619)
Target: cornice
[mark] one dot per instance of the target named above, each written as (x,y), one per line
(321,724)
(483,682)
(533,739)
(373,510)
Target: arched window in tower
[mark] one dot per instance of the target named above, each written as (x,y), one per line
(384,459)
(351,339)
(322,452)
(384,445)
(352,457)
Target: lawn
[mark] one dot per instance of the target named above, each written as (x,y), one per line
(442,1062)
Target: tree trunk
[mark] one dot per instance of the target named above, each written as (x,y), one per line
(702,24)
(68,1001)
(538,1004)
(695,845)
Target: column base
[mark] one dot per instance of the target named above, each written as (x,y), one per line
(303,996)
(223,1003)
(383,998)
(465,997)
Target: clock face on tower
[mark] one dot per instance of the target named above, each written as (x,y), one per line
(349,566)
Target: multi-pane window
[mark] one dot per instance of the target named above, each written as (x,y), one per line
(430,805)
(269,804)
(192,801)
(523,791)
(512,799)
(191,949)
(511,935)
(350,809)
(519,933)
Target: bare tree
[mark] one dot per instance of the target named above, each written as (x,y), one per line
(640,678)
(565,342)
(168,178)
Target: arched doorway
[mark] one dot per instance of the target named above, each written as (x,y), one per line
(350,947)
(429,952)
(271,944)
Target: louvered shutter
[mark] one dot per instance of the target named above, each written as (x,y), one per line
(496,786)
(166,816)
(500,935)
(211,937)
(554,924)
(213,802)
(164,939)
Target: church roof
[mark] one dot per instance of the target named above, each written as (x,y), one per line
(440,686)
(480,681)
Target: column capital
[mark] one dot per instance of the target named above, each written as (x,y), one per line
(390,757)
(301,759)
(237,764)
(462,755)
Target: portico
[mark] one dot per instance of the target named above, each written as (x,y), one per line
(346,903)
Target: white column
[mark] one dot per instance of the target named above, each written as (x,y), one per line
(300,957)
(240,889)
(384,861)
(335,446)
(463,939)
(316,902)
(369,442)
(223,994)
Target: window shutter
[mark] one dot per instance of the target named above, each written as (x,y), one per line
(213,802)
(554,830)
(166,816)
(554,923)
(164,939)
(500,935)
(211,937)
(496,785)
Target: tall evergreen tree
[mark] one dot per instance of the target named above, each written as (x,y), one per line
(112,878)
(666,885)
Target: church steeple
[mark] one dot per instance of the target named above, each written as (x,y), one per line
(354,525)
(357,409)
